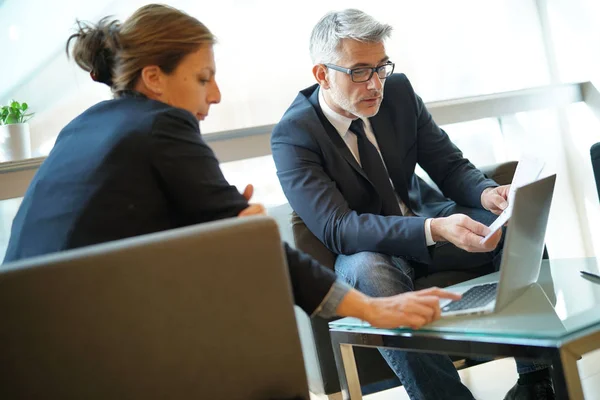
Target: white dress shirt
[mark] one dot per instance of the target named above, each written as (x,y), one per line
(342,125)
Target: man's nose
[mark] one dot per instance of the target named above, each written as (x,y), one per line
(375,82)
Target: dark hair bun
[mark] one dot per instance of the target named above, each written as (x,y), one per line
(95,48)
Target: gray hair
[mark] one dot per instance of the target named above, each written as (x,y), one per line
(347,24)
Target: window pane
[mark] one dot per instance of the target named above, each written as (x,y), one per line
(538,133)
(261,173)
(480,141)
(464,48)
(583,132)
(576,38)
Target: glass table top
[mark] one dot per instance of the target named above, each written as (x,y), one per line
(561,303)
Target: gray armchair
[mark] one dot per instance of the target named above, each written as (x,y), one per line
(373,371)
(204,312)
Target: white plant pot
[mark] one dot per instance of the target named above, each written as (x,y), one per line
(15,142)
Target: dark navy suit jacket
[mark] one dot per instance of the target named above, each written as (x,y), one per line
(128,167)
(330,192)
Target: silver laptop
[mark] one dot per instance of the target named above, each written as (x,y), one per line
(521,257)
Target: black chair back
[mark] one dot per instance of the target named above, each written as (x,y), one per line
(595,154)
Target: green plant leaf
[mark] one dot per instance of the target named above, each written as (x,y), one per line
(14,113)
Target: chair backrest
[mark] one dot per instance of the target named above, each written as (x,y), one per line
(595,154)
(199,312)
(307,242)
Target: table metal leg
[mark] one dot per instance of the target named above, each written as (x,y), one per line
(346,367)
(565,375)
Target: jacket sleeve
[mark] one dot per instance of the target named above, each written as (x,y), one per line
(311,282)
(192,178)
(189,172)
(456,177)
(323,208)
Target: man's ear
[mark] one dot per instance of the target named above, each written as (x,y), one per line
(152,77)
(321,74)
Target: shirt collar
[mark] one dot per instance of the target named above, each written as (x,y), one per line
(339,122)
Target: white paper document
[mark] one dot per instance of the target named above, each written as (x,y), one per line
(528,170)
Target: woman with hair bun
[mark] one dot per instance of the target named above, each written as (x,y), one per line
(137,164)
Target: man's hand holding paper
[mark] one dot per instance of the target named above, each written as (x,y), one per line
(499,200)
(495,199)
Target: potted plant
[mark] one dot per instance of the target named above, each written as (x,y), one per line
(14,131)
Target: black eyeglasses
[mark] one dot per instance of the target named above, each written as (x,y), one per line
(363,74)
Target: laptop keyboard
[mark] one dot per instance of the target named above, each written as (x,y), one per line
(475,297)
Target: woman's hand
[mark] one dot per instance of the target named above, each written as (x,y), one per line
(252,209)
(412,309)
(248,192)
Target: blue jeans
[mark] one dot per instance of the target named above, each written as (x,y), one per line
(424,376)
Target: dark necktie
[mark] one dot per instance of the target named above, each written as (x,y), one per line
(372,164)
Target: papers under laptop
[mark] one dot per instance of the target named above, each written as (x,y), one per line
(528,170)
(522,253)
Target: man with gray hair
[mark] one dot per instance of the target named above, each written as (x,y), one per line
(346,159)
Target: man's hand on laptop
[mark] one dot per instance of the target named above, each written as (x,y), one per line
(464,233)
(495,199)
(412,309)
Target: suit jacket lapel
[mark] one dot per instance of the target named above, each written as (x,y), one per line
(383,130)
(333,134)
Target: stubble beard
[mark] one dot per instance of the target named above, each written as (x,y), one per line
(346,105)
